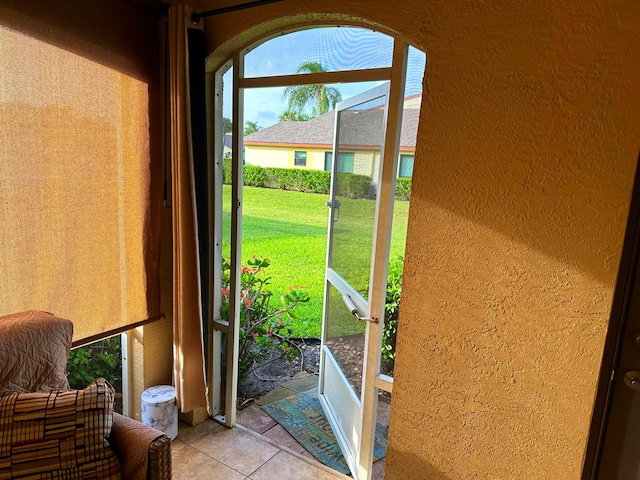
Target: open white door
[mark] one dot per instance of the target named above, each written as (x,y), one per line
(367,129)
(357,256)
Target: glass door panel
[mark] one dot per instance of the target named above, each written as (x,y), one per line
(359,128)
(345,339)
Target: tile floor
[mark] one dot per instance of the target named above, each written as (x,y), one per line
(257,449)
(212,451)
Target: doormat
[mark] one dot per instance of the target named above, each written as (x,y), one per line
(302,416)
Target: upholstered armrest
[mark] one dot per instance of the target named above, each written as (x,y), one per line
(144,452)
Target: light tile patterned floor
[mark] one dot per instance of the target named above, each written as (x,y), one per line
(211,451)
(258,449)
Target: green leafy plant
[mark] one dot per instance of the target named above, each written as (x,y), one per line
(392,309)
(251,127)
(317,181)
(99,359)
(281,177)
(403,188)
(263,327)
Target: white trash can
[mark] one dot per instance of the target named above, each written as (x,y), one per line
(159,409)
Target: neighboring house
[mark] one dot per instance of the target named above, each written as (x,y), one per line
(310,144)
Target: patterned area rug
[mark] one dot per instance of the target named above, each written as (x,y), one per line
(302,416)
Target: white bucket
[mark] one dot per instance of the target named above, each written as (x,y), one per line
(159,409)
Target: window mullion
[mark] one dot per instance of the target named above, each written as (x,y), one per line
(371,75)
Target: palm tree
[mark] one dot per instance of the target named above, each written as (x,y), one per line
(317,99)
(227,126)
(289,116)
(251,127)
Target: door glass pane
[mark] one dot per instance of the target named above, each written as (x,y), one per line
(356,183)
(345,339)
(219,379)
(383,416)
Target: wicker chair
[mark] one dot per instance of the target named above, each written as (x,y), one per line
(138,451)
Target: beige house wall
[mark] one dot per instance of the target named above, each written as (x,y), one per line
(365,162)
(527,147)
(283,157)
(266,156)
(315,158)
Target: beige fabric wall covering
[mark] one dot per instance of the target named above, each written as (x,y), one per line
(188,349)
(76,222)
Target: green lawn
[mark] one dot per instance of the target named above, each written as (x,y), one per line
(290,228)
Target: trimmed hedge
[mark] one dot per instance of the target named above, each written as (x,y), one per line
(281,177)
(316,181)
(253,176)
(226,169)
(352,185)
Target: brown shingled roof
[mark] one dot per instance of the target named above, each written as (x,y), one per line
(319,131)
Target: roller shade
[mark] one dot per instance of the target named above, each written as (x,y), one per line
(76,221)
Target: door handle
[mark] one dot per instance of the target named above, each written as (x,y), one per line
(632,380)
(336,209)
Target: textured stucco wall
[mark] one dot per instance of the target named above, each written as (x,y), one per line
(527,145)
(529,139)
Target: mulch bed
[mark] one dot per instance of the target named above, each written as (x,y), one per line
(275,369)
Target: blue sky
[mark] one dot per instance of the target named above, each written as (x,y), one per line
(342,48)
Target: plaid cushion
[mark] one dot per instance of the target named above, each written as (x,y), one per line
(61,434)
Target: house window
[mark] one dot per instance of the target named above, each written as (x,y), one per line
(406,166)
(328,161)
(300,159)
(345,161)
